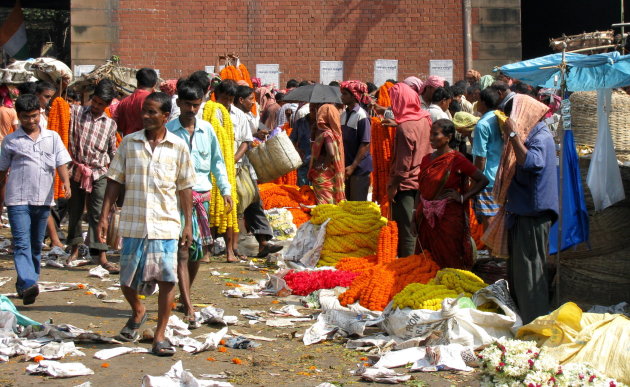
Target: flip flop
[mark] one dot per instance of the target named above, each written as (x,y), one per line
(129,333)
(163,349)
(269,249)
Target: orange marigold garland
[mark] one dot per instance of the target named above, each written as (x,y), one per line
(387,245)
(245,73)
(59,121)
(381,149)
(378,283)
(383,95)
(476,228)
(292,197)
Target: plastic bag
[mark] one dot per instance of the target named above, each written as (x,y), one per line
(307,244)
(604,177)
(281,222)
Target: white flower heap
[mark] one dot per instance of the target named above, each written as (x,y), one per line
(512,363)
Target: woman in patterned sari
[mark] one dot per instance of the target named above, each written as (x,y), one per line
(442,222)
(327,169)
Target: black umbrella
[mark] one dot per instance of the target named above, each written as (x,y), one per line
(316,93)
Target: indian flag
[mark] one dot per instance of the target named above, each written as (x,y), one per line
(13,34)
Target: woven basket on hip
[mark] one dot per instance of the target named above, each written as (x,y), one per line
(584,118)
(274,158)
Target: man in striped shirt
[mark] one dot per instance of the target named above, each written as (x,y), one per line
(92,145)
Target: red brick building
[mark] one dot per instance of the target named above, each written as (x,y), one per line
(178,37)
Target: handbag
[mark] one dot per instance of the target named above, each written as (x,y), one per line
(246,189)
(114,240)
(274,158)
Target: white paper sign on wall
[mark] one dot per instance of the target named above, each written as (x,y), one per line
(209,69)
(330,70)
(268,74)
(385,69)
(442,68)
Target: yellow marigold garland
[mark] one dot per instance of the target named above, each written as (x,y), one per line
(225,134)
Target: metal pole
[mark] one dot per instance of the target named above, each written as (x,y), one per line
(622,19)
(561,179)
(468,54)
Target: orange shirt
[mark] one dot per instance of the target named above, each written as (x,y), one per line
(8,121)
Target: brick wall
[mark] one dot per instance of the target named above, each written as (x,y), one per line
(178,37)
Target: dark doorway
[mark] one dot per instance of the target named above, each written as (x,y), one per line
(542,20)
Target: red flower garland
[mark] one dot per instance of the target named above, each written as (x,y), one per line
(306,282)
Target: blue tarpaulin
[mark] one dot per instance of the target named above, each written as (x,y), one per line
(584,72)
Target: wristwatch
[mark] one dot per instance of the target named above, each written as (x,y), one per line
(512,134)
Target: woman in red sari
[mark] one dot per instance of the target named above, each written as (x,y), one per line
(327,167)
(442,223)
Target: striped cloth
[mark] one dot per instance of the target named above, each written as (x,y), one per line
(144,262)
(485,204)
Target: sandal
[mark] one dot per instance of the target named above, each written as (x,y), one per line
(163,348)
(269,249)
(192,322)
(129,333)
(112,268)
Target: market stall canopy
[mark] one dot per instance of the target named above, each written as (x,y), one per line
(584,72)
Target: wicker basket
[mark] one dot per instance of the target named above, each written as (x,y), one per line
(584,118)
(601,274)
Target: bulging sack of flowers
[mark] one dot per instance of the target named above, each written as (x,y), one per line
(274,158)
(454,323)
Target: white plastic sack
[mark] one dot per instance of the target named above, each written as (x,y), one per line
(50,70)
(453,324)
(604,177)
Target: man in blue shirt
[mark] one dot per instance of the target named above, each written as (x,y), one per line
(206,156)
(487,150)
(532,206)
(355,127)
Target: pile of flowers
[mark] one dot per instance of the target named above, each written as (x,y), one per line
(291,197)
(508,362)
(353,230)
(304,283)
(380,282)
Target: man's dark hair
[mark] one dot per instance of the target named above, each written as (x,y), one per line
(304,83)
(455,107)
(26,103)
(146,77)
(457,90)
(490,98)
(391,81)
(243,92)
(105,91)
(226,87)
(333,83)
(440,94)
(499,86)
(27,88)
(473,88)
(201,77)
(448,129)
(523,88)
(188,90)
(463,84)
(43,86)
(72,94)
(163,99)
(292,84)
(279,97)
(371,87)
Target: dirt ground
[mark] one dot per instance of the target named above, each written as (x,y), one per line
(284,362)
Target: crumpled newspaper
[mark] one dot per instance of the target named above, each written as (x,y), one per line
(212,315)
(55,351)
(56,369)
(98,272)
(381,375)
(307,245)
(109,353)
(177,334)
(178,377)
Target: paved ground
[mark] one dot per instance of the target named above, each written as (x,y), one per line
(283,362)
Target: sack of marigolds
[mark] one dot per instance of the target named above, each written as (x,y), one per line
(456,321)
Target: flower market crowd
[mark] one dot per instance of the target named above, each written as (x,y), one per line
(173,156)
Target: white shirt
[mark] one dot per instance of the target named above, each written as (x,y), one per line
(253,122)
(437,113)
(242,133)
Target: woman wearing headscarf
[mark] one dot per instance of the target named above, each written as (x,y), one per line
(269,108)
(411,144)
(442,222)
(327,170)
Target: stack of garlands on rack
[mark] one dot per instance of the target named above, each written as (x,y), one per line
(225,133)
(59,121)
(379,282)
(381,147)
(292,197)
(291,177)
(448,283)
(352,231)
